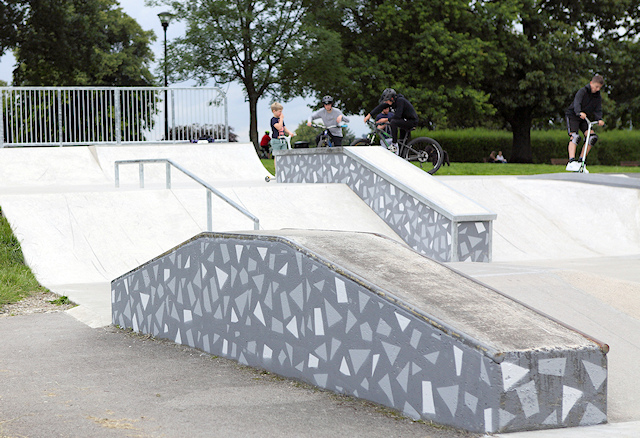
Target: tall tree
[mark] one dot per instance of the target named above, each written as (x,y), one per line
(268,46)
(79,42)
(429,50)
(11,18)
(550,45)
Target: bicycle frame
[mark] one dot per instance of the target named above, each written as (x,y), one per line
(325,132)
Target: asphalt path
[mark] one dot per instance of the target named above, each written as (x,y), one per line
(61,378)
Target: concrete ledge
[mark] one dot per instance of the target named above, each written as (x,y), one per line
(361,314)
(429,216)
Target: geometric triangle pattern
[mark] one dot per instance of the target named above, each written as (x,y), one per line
(422,227)
(225,294)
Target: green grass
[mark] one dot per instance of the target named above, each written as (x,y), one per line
(522,169)
(16,279)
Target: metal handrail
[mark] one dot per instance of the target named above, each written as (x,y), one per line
(210,189)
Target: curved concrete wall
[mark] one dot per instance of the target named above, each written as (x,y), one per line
(268,302)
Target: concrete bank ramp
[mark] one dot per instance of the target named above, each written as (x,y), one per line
(78,232)
(558,217)
(361,314)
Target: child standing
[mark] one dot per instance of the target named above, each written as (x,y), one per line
(278,129)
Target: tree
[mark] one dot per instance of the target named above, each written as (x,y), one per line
(550,45)
(11,18)
(428,50)
(269,46)
(79,42)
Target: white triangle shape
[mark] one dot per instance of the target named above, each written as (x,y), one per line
(344,367)
(569,398)
(511,374)
(293,327)
(403,321)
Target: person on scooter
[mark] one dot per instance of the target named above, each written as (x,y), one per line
(586,103)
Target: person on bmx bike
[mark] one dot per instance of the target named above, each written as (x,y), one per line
(404,117)
(332,118)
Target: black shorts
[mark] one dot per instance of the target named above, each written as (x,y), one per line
(575,124)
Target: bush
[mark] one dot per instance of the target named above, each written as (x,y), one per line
(473,145)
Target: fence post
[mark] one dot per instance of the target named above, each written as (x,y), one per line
(118,113)
(226,118)
(173,116)
(60,129)
(1,119)
(117,168)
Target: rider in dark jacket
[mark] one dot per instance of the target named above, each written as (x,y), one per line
(404,114)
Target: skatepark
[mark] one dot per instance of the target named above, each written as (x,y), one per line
(566,247)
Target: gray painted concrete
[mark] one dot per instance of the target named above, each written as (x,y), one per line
(430,217)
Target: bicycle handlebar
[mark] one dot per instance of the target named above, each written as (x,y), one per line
(315,125)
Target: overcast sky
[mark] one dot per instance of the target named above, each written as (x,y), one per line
(295,111)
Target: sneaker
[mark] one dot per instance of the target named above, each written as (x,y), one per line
(573,166)
(584,169)
(393,147)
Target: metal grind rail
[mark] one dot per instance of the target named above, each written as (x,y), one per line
(209,188)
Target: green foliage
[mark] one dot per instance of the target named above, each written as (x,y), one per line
(79,42)
(11,16)
(16,279)
(306,133)
(428,50)
(474,145)
(61,301)
(271,48)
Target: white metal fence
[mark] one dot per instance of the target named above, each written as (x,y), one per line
(61,116)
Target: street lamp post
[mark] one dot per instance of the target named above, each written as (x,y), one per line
(165,18)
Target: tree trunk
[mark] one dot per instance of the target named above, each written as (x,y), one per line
(253,121)
(521,127)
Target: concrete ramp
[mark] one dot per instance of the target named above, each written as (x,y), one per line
(545,218)
(78,231)
(361,314)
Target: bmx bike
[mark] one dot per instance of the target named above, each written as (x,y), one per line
(324,139)
(425,150)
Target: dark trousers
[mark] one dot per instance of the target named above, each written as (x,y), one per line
(337,141)
(405,125)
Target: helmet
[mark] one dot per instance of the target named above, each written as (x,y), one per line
(388,94)
(327,99)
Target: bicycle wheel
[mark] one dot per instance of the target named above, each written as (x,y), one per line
(361,142)
(425,151)
(323,142)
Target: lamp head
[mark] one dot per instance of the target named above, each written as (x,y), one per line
(165,18)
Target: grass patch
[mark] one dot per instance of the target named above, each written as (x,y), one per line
(16,279)
(522,169)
